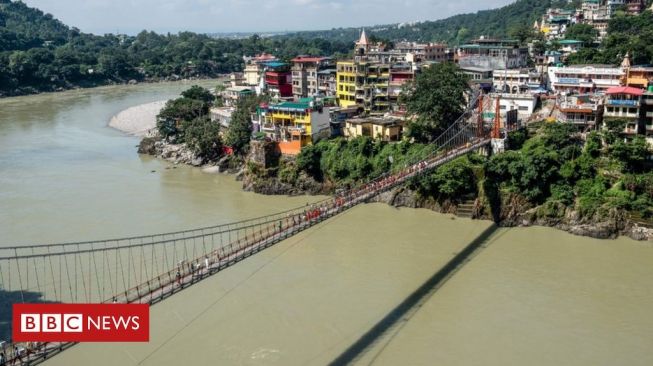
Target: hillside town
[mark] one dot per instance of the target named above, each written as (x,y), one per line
(311,97)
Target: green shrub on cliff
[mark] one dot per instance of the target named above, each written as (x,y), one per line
(203,137)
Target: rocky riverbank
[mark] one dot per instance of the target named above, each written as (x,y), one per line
(261,175)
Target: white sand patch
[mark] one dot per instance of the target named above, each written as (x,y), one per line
(137,120)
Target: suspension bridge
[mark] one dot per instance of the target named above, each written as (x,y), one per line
(148,269)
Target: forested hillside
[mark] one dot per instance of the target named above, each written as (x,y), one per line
(39,53)
(459,28)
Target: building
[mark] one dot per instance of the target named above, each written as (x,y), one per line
(581,79)
(254,68)
(222,115)
(400,74)
(233,94)
(555,22)
(638,76)
(364,81)
(294,124)
(584,111)
(237,79)
(524,104)
(518,81)
(305,75)
(364,84)
(326,82)
(493,54)
(278,80)
(480,76)
(633,105)
(423,51)
(569,46)
(338,116)
(624,103)
(632,7)
(380,128)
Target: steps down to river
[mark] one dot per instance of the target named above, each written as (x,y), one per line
(466,209)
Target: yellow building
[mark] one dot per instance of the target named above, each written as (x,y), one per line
(363,84)
(295,124)
(386,129)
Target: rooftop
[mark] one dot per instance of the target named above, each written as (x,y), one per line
(290,106)
(569,41)
(382,121)
(625,90)
(301,59)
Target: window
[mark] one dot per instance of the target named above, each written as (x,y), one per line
(523,108)
(632,110)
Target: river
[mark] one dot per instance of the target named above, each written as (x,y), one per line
(532,296)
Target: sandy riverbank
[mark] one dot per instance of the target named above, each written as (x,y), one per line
(137,120)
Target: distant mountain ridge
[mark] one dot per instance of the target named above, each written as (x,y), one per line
(456,29)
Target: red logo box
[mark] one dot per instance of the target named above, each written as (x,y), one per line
(81,323)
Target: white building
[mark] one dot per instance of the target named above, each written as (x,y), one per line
(584,78)
(222,115)
(524,103)
(517,81)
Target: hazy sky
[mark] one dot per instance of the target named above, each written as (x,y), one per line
(132,16)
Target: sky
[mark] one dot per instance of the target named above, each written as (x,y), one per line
(214,16)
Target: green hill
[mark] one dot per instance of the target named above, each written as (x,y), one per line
(456,29)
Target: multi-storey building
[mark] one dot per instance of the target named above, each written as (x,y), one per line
(326,82)
(255,66)
(294,124)
(638,76)
(493,54)
(423,51)
(233,94)
(582,79)
(517,81)
(305,71)
(584,111)
(400,74)
(633,105)
(278,80)
(364,84)
(364,81)
(555,22)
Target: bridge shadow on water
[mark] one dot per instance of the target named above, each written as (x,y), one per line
(415,300)
(7,299)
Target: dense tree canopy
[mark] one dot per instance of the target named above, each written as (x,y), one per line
(436,99)
(240,128)
(39,53)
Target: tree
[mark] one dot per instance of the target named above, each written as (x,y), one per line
(435,100)
(176,111)
(632,154)
(203,137)
(522,32)
(198,93)
(582,32)
(240,128)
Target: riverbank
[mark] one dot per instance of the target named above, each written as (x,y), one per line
(92,85)
(462,187)
(137,120)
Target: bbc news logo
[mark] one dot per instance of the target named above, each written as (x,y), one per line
(81,322)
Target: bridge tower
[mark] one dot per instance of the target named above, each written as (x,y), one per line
(498,143)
